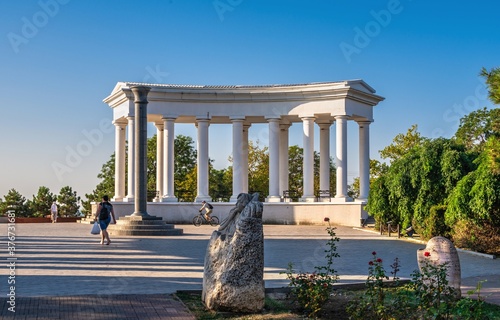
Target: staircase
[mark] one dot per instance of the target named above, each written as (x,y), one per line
(143,226)
(88,219)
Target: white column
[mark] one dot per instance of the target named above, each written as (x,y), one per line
(159,162)
(202,160)
(324,155)
(341,153)
(169,160)
(130,160)
(308,160)
(119,160)
(244,165)
(364,160)
(237,157)
(274,130)
(284,157)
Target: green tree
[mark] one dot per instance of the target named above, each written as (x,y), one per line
(492,79)
(13,200)
(377,169)
(185,156)
(42,201)
(402,143)
(186,189)
(295,162)
(258,169)
(68,202)
(220,183)
(418,180)
(476,128)
(105,187)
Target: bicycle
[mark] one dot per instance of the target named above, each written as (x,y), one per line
(200,219)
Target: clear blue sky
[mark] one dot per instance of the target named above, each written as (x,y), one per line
(60,59)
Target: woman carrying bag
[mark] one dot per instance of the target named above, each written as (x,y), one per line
(103,215)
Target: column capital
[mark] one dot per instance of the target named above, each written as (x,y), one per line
(324,124)
(364,122)
(159,126)
(120,123)
(308,117)
(237,118)
(343,116)
(284,126)
(169,118)
(130,118)
(140,93)
(273,119)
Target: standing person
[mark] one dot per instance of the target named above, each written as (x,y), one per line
(53,212)
(208,208)
(104,213)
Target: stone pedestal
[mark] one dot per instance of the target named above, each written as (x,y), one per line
(143,226)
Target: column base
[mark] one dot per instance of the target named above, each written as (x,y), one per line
(201,198)
(273,199)
(307,199)
(117,199)
(341,199)
(128,199)
(143,214)
(157,199)
(169,199)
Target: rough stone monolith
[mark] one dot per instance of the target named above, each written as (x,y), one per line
(233,278)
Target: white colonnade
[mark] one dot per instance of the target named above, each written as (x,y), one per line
(324,104)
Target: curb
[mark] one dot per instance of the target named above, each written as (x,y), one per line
(484,255)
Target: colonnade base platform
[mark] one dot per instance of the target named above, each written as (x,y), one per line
(282,213)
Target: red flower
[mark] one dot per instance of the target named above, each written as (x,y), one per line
(427,254)
(374,253)
(379,260)
(326,219)
(370,263)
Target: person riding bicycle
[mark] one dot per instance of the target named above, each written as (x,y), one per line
(208,209)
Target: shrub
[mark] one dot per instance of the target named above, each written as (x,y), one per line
(434,224)
(484,238)
(312,290)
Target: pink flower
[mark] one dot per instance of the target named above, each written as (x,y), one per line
(374,253)
(379,260)
(370,263)
(326,219)
(427,254)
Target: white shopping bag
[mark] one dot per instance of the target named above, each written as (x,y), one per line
(95,228)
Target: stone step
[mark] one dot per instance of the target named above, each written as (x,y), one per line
(86,220)
(140,222)
(143,227)
(140,218)
(161,232)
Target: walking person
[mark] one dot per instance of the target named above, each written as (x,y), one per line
(208,209)
(103,215)
(53,212)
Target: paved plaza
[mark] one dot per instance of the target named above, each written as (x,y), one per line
(62,271)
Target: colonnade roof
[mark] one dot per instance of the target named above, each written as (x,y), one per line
(252,103)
